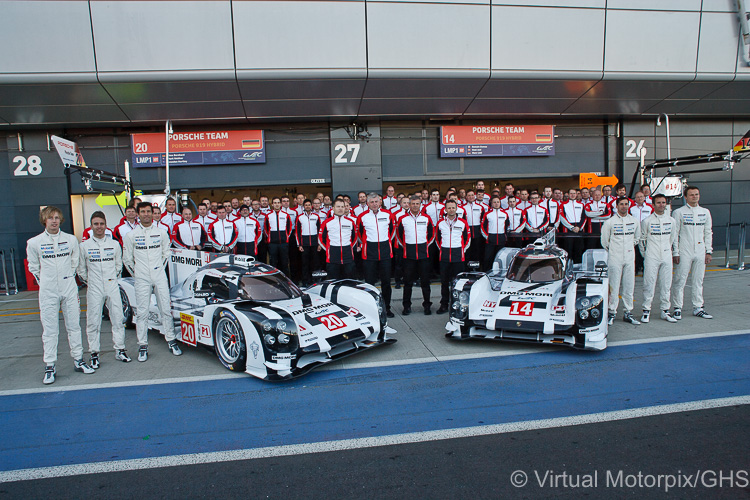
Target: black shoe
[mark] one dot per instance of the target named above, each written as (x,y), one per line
(407,311)
(398,286)
(442,310)
(389,313)
(427,311)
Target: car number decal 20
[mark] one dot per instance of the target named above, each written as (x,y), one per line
(187,329)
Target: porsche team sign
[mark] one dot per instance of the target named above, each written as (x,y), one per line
(218,147)
(497,140)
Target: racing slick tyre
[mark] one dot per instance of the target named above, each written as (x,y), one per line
(229,341)
(127,310)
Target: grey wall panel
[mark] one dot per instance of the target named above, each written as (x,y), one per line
(697,90)
(329,88)
(302,108)
(184,110)
(413,107)
(421,88)
(54,94)
(519,106)
(499,87)
(162,35)
(547,39)
(670,106)
(598,4)
(67,114)
(674,5)
(651,42)
(32,33)
(293,35)
(717,46)
(458,35)
(615,107)
(351,174)
(174,91)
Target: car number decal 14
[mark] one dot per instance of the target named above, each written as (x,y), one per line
(521,308)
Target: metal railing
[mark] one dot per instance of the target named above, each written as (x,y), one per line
(12,287)
(740,245)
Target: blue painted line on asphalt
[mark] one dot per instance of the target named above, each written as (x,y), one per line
(63,428)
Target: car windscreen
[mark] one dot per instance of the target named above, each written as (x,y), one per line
(267,287)
(535,270)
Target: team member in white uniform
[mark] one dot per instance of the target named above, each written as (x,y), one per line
(100,265)
(658,240)
(53,258)
(620,234)
(170,217)
(145,254)
(695,238)
(415,232)
(188,233)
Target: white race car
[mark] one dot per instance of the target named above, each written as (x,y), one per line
(261,323)
(534,294)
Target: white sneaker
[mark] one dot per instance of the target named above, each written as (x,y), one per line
(665,315)
(121,355)
(174,348)
(628,318)
(645,317)
(49,374)
(677,314)
(94,363)
(80,366)
(701,313)
(142,353)
(610,319)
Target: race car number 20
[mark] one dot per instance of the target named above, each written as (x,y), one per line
(332,322)
(187,329)
(521,308)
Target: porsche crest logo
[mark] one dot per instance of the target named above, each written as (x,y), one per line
(346,336)
(518,323)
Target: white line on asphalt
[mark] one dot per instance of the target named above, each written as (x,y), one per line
(372,364)
(359,443)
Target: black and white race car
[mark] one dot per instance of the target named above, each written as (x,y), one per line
(534,294)
(260,322)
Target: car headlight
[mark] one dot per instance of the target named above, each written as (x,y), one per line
(463,298)
(585,302)
(266,325)
(595,314)
(456,305)
(584,314)
(281,326)
(455,294)
(283,338)
(269,339)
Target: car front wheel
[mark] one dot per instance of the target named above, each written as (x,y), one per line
(229,341)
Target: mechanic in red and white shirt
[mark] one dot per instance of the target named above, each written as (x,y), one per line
(475,211)
(279,231)
(157,222)
(127,225)
(338,235)
(415,232)
(552,206)
(389,200)
(597,211)
(454,238)
(362,207)
(170,217)
(516,223)
(204,216)
(535,218)
(188,233)
(398,264)
(509,192)
(573,221)
(308,228)
(249,232)
(222,233)
(495,225)
(376,228)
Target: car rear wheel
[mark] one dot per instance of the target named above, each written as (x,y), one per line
(229,341)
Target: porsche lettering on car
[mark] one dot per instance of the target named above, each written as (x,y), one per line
(534,294)
(260,322)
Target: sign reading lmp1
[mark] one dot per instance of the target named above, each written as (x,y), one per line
(497,140)
(218,147)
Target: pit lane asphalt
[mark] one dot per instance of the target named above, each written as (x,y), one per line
(421,350)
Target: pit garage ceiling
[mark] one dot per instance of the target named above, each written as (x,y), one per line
(144,62)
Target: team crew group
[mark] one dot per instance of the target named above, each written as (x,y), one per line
(406,236)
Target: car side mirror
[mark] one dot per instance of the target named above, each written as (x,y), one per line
(496,267)
(600,267)
(473,266)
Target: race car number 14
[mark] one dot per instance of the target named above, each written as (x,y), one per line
(521,308)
